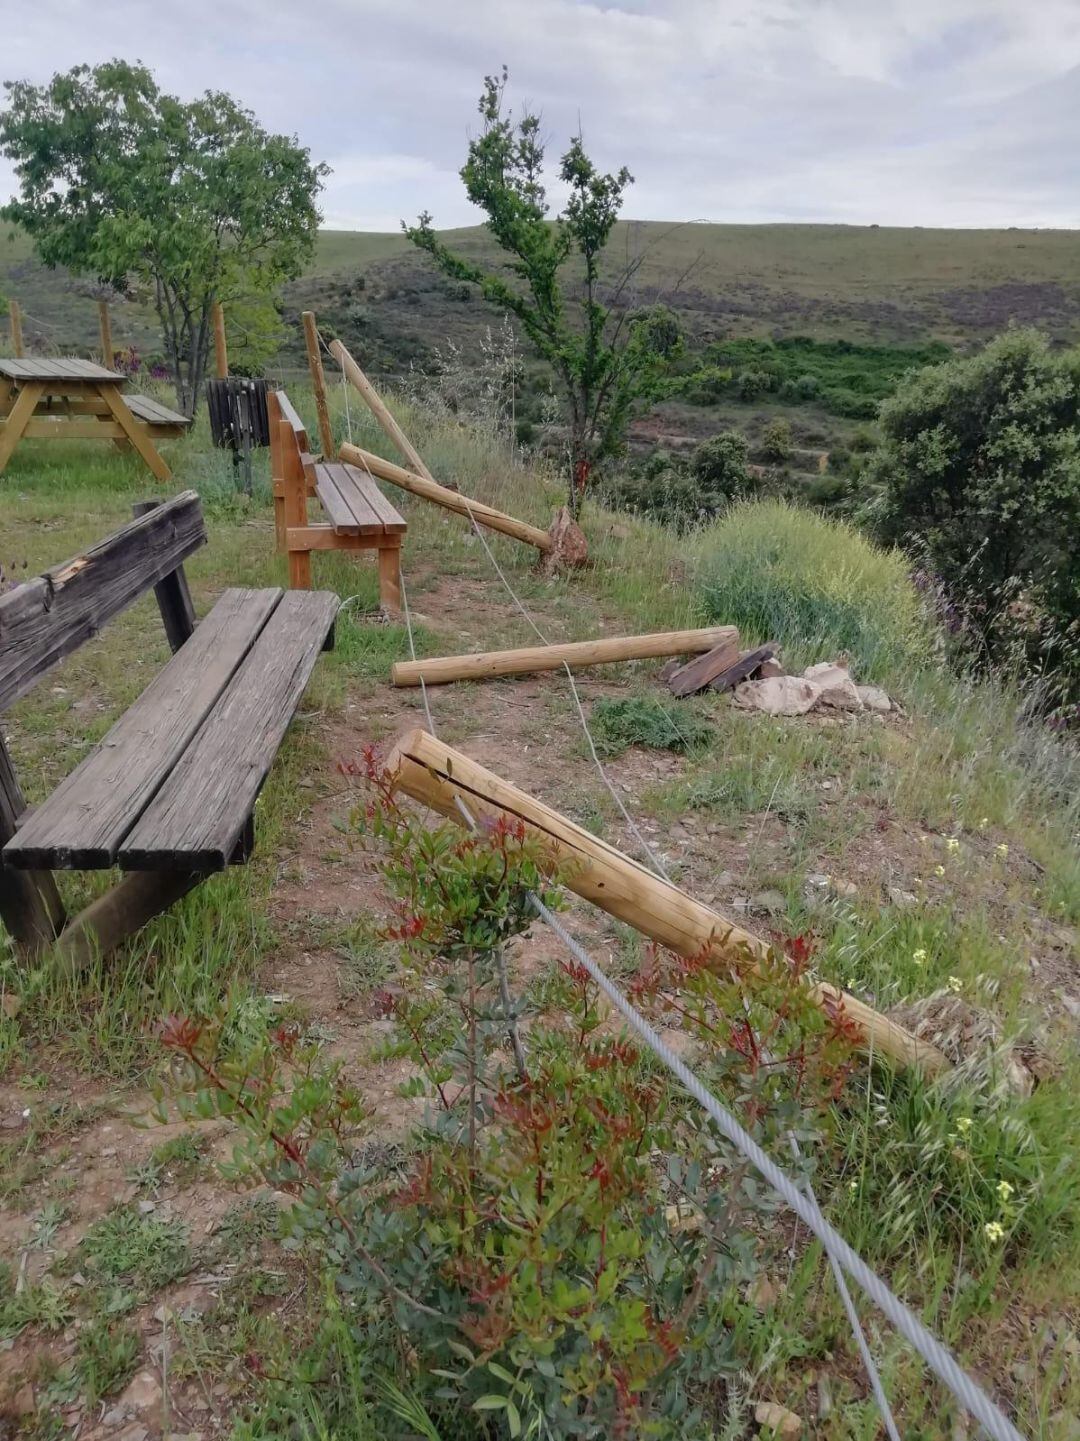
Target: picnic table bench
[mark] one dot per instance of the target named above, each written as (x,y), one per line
(169,794)
(45,399)
(359,515)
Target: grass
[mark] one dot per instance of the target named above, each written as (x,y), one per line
(646,721)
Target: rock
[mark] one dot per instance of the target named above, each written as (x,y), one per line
(873,698)
(824,1398)
(902,898)
(141,1393)
(10,1004)
(145,1207)
(762,1294)
(817,882)
(772,1417)
(569,548)
(1072,1005)
(770,667)
(778,695)
(772,903)
(840,887)
(134,1432)
(837,687)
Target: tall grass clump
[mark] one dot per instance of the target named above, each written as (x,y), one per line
(785,573)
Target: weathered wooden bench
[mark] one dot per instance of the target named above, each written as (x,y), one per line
(359,515)
(169,793)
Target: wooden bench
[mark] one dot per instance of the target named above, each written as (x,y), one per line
(169,793)
(359,515)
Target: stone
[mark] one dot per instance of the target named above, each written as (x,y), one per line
(772,903)
(874,698)
(837,687)
(771,1416)
(902,898)
(141,1393)
(770,667)
(145,1208)
(1072,1005)
(23,1403)
(840,887)
(762,1294)
(778,695)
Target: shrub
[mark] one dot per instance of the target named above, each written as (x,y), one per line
(816,586)
(776,441)
(646,721)
(979,467)
(720,465)
(750,384)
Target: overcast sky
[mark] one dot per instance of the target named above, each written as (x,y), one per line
(923,112)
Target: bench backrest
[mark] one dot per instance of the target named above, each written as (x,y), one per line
(286,428)
(47,618)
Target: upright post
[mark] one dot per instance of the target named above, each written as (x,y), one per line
(221,352)
(173,596)
(30,904)
(294,488)
(15,315)
(318,380)
(105,327)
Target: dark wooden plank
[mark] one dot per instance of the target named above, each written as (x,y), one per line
(173,595)
(84,821)
(30,904)
(696,674)
(52,615)
(197,818)
(393,522)
(342,515)
(745,666)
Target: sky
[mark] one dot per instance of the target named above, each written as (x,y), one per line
(925,112)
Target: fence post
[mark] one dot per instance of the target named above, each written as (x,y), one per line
(105,326)
(221,353)
(15,315)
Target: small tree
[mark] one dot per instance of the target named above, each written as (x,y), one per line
(776,441)
(720,465)
(194,201)
(606,359)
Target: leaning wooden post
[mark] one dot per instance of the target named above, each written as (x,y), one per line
(105,327)
(15,316)
(436,774)
(356,376)
(221,350)
(318,381)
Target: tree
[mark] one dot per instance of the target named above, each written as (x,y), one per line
(978,467)
(777,441)
(720,467)
(194,201)
(605,357)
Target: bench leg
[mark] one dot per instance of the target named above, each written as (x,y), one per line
(390,578)
(279,517)
(119,913)
(30,904)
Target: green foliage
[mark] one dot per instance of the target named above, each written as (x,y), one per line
(140,1251)
(606,360)
(719,465)
(646,721)
(817,586)
(979,470)
(776,440)
(683,494)
(194,202)
(108,1353)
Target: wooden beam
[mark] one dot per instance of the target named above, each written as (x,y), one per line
(318,381)
(118,914)
(453,500)
(294,508)
(390,575)
(696,674)
(437,775)
(441,670)
(172,593)
(134,430)
(19,417)
(221,349)
(43,428)
(15,317)
(378,408)
(108,357)
(745,665)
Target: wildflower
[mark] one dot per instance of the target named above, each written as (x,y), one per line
(956,984)
(939,870)
(1002,850)
(919,956)
(853,1186)
(1004,1190)
(994,1231)
(984,823)
(964,1124)
(952,844)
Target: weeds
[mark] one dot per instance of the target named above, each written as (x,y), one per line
(645,721)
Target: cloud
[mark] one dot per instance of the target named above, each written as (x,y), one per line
(903,112)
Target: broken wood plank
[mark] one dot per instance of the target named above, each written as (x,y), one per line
(697,674)
(744,667)
(441,670)
(437,775)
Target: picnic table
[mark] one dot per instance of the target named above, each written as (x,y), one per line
(43,399)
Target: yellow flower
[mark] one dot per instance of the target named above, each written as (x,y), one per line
(952,844)
(1004,1190)
(939,870)
(964,1124)
(919,956)
(1002,849)
(956,984)
(994,1231)
(984,823)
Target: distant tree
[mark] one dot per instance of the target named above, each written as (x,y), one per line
(978,469)
(720,465)
(607,359)
(776,440)
(194,201)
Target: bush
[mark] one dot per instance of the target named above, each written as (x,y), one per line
(776,441)
(720,465)
(816,586)
(682,496)
(979,468)
(750,384)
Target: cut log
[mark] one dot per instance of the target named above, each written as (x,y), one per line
(697,674)
(378,408)
(437,775)
(485,515)
(745,666)
(441,670)
(318,381)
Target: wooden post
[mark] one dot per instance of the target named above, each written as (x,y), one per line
(437,775)
(390,575)
(318,381)
(221,350)
(108,357)
(15,316)
(378,408)
(173,596)
(453,500)
(440,670)
(294,507)
(277,482)
(30,904)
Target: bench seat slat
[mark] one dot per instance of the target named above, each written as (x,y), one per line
(198,816)
(144,407)
(81,825)
(393,523)
(344,515)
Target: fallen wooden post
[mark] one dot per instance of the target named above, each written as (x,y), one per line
(697,673)
(441,670)
(452,500)
(318,381)
(436,774)
(378,408)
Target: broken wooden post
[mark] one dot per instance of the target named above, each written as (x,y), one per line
(378,408)
(436,774)
(318,381)
(452,500)
(441,670)
(105,329)
(15,317)
(687,679)
(221,350)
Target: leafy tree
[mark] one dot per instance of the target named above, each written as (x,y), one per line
(194,201)
(720,465)
(606,359)
(979,466)
(776,440)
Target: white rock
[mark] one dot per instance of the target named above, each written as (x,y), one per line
(778,695)
(837,687)
(874,698)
